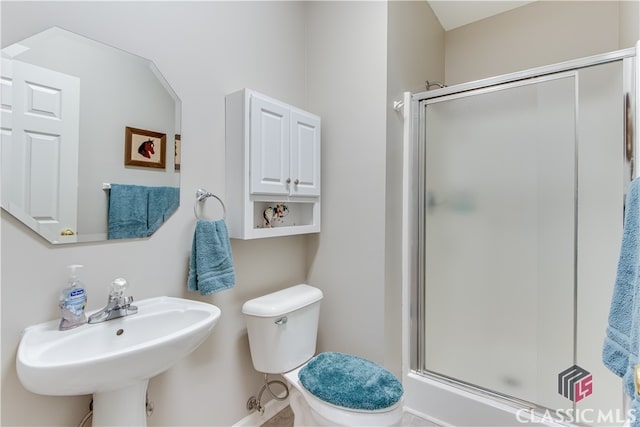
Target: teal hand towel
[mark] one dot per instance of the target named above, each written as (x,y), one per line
(211,263)
(620,350)
(163,202)
(127,211)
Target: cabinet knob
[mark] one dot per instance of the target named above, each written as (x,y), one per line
(288,180)
(296,182)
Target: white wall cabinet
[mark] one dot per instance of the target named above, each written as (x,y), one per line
(272,158)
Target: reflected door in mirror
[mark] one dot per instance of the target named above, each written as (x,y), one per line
(40,147)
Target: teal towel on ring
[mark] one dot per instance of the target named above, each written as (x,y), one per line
(211,263)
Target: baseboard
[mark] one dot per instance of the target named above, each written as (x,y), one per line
(424,416)
(255,419)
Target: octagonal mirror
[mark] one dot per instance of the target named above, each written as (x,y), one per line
(90,139)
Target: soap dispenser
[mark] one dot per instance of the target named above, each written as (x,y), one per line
(73,299)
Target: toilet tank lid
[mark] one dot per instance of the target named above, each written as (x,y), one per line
(282,302)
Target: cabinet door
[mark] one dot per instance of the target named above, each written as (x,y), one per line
(305,154)
(270,133)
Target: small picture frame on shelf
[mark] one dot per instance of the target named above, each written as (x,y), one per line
(144,148)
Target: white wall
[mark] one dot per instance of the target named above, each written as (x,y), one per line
(347,88)
(327,57)
(415,53)
(629,31)
(373,52)
(205,50)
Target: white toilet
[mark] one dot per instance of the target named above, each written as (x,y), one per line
(282,328)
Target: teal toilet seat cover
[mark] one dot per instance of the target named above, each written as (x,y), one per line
(350,382)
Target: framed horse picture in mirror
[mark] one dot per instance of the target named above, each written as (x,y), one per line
(145,148)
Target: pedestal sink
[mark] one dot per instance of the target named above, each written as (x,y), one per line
(114,360)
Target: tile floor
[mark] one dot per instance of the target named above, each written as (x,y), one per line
(284,418)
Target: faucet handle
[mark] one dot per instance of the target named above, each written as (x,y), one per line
(118,286)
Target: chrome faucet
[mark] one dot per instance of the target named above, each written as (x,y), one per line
(119,304)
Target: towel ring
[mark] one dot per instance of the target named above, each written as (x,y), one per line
(201,196)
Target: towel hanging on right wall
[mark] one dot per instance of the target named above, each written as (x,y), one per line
(622,340)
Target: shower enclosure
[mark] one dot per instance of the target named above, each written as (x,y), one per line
(514,223)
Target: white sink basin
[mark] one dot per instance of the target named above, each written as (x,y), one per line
(109,357)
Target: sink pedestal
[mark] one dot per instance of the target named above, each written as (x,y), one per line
(122,407)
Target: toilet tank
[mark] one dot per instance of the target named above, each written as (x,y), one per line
(282,328)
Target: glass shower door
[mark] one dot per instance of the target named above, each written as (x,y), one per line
(499,236)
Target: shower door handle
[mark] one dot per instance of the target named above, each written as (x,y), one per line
(629,149)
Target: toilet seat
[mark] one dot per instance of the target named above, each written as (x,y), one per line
(350,382)
(346,416)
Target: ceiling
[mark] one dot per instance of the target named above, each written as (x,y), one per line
(456,13)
